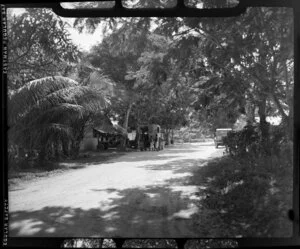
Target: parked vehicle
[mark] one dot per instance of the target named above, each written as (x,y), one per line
(141,139)
(219,136)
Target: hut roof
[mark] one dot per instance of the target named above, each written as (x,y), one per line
(109,128)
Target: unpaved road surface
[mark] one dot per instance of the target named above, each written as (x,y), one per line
(140,194)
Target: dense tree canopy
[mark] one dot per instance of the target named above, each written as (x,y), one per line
(196,72)
(52,110)
(225,63)
(39,46)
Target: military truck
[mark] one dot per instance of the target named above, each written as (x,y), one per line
(219,136)
(140,138)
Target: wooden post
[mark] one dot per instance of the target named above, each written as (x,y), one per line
(119,242)
(180,243)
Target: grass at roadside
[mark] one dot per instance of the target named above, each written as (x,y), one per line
(29,173)
(246,197)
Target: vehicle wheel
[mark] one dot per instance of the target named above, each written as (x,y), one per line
(101,147)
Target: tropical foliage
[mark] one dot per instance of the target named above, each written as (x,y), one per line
(51,112)
(171,71)
(39,46)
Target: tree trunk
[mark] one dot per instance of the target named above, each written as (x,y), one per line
(250,111)
(264,126)
(290,127)
(167,136)
(65,147)
(289,101)
(42,155)
(127,116)
(56,150)
(138,134)
(126,124)
(78,136)
(75,145)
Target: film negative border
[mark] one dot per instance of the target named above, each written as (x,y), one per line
(181,10)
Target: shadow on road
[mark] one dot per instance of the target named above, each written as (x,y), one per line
(165,208)
(133,213)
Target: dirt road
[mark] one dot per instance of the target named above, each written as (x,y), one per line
(140,194)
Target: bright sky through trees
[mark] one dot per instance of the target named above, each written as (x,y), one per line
(83,40)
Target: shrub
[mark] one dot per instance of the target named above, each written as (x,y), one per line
(241,142)
(248,196)
(249,141)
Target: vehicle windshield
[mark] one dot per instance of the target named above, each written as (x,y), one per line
(222,132)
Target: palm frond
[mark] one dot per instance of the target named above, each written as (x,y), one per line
(49,90)
(62,113)
(57,130)
(34,90)
(51,108)
(20,106)
(33,136)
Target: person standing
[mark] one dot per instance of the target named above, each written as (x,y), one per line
(147,141)
(156,143)
(151,144)
(141,142)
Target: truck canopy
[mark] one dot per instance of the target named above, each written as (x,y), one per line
(222,131)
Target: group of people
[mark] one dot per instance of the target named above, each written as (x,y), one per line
(151,143)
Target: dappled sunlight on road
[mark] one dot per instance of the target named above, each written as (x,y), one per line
(185,213)
(120,197)
(27,226)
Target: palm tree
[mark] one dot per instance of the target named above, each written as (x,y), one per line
(52,112)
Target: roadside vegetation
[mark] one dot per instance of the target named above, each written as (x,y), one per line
(249,192)
(19,174)
(173,72)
